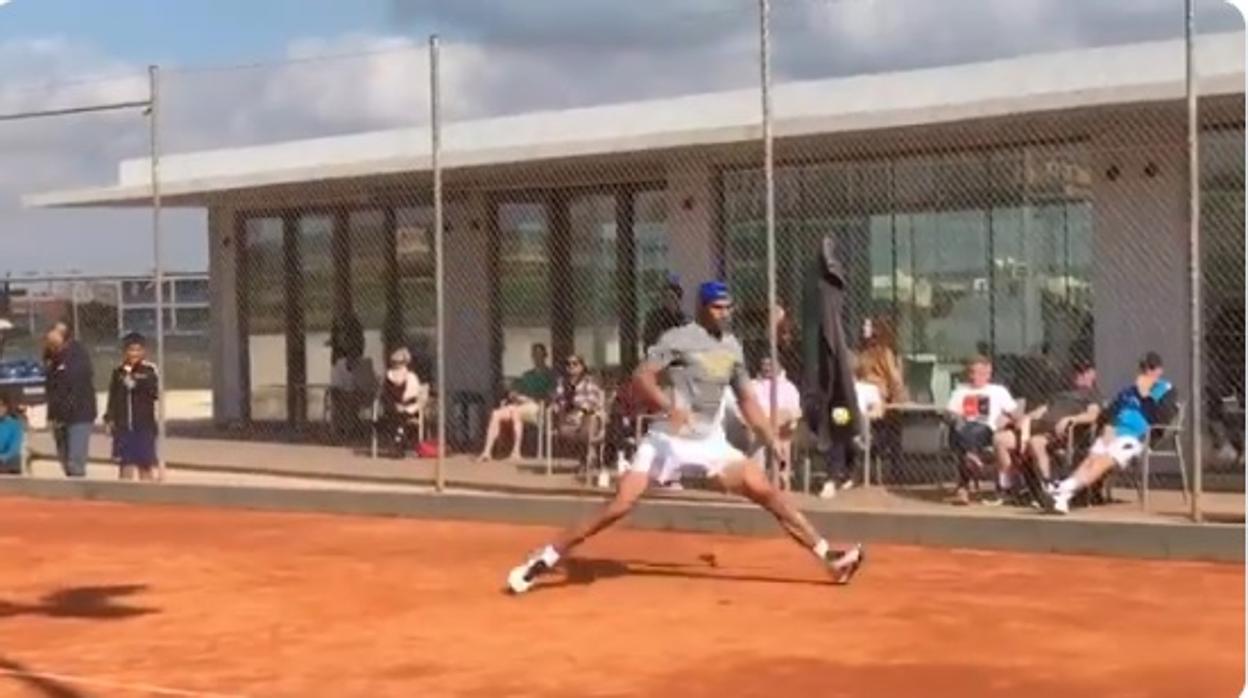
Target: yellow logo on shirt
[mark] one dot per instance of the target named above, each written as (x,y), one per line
(716,365)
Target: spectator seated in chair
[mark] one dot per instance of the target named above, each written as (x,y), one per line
(522,405)
(1056,425)
(1148,402)
(403,401)
(981,411)
(12,433)
(626,423)
(577,409)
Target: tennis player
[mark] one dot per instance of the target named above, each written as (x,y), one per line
(702,360)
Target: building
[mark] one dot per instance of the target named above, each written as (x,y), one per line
(1034,205)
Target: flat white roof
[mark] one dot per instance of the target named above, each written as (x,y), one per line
(1093,77)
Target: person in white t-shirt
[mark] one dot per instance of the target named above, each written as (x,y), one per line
(980,409)
(788,412)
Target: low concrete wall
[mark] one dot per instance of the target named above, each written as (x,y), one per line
(1179,541)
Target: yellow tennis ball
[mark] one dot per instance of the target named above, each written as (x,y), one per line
(840,416)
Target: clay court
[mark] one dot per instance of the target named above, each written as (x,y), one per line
(115,600)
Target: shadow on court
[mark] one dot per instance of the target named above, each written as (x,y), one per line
(16,672)
(583,571)
(93,603)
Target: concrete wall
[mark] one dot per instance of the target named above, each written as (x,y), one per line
(691,223)
(467,295)
(1139,247)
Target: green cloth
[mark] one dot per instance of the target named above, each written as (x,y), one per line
(536,383)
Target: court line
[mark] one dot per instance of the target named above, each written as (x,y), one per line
(104,683)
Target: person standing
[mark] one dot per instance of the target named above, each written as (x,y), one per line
(133,390)
(71,399)
(666,316)
(829,395)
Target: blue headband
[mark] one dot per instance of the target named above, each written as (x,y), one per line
(713,292)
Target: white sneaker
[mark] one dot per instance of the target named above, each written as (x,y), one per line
(844,565)
(518,580)
(828,491)
(521,578)
(1061,503)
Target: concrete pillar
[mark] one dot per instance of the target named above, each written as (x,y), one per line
(467,296)
(691,224)
(223,339)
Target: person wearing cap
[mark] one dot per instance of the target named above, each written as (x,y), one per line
(667,315)
(133,390)
(701,362)
(1147,402)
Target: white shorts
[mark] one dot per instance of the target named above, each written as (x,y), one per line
(666,458)
(1121,449)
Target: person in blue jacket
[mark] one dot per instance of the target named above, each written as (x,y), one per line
(1148,402)
(12,434)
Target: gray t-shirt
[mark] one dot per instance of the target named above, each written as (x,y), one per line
(700,368)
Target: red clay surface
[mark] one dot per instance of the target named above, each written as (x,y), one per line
(239,603)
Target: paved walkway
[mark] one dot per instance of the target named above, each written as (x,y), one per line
(252,463)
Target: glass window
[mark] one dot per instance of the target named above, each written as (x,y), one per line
(595,304)
(192,320)
(368,246)
(985,251)
(140,291)
(263,305)
(191,291)
(417,267)
(143,321)
(945,309)
(524,282)
(1222,250)
(652,250)
(316,251)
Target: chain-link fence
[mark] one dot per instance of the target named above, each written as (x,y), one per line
(982,215)
(1024,202)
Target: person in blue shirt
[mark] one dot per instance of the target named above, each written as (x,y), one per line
(11,436)
(1147,402)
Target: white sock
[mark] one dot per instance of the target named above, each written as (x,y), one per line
(1004,481)
(549,555)
(821,549)
(1068,487)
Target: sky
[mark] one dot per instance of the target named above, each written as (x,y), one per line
(238,72)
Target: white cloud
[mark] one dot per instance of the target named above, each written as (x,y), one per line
(499,56)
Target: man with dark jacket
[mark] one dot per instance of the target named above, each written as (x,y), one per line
(71,399)
(829,397)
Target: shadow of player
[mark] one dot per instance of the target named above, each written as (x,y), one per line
(11,670)
(95,603)
(579,571)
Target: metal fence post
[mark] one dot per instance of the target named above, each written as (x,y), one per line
(435,152)
(153,73)
(1194,261)
(769,216)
